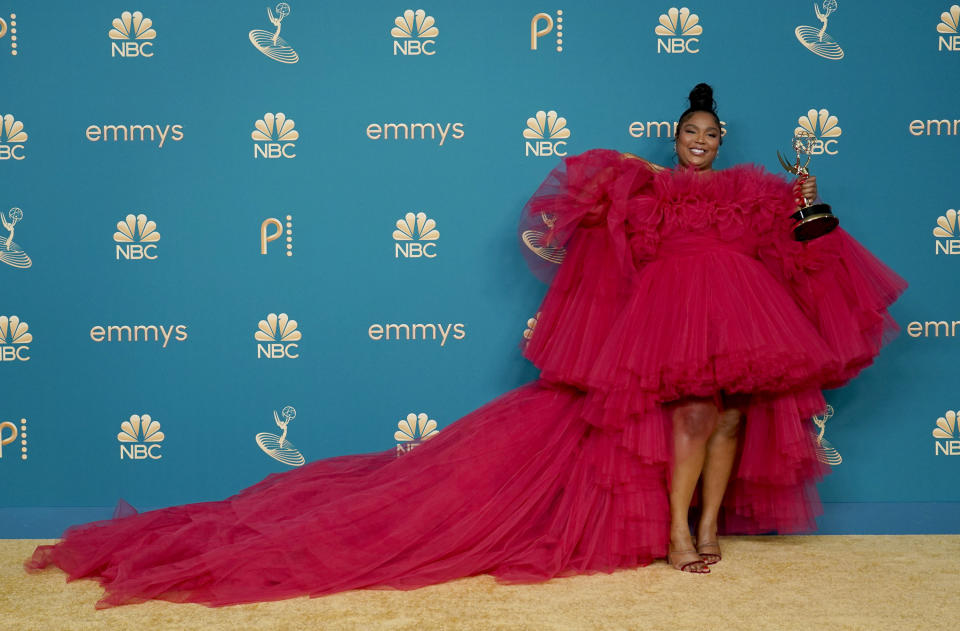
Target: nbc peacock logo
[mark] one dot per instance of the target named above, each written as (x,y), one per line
(276,445)
(140,438)
(414,33)
(535,240)
(546,134)
(948,29)
(132,35)
(277,337)
(136,238)
(9,432)
(273,137)
(413,430)
(816,38)
(270,43)
(946,233)
(9,31)
(824,127)
(678,32)
(11,253)
(946,435)
(15,338)
(416,236)
(12,137)
(543,24)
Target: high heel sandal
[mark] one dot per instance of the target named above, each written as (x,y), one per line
(710,558)
(696,566)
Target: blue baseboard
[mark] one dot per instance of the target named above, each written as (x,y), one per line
(915,518)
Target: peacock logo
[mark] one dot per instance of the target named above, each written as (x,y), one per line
(271,44)
(678,31)
(542,24)
(947,435)
(276,445)
(415,236)
(823,126)
(132,35)
(414,33)
(11,253)
(274,136)
(9,432)
(413,430)
(136,238)
(816,39)
(140,438)
(546,134)
(10,29)
(948,28)
(277,337)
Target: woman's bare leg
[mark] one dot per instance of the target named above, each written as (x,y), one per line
(721,451)
(694,421)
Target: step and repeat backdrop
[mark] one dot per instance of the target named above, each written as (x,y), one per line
(242,235)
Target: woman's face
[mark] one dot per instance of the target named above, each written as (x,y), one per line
(698,139)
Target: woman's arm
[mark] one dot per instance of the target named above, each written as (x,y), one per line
(656,168)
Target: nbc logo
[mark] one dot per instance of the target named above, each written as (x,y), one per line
(11,253)
(533,239)
(946,233)
(413,33)
(132,35)
(277,446)
(822,125)
(678,29)
(948,28)
(10,31)
(136,238)
(415,237)
(273,136)
(12,138)
(276,337)
(413,430)
(278,231)
(542,24)
(14,339)
(546,135)
(8,435)
(140,438)
(948,438)
(271,44)
(816,39)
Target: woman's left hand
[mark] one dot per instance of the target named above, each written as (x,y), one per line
(809,189)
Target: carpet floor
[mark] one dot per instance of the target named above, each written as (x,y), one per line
(832,583)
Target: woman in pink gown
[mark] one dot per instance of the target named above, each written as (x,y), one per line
(685,337)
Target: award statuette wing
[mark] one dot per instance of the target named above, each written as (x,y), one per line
(811,220)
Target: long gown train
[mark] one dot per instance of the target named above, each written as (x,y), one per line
(672,284)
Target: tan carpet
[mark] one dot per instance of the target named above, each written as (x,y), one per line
(829,583)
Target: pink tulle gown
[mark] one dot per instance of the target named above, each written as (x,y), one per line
(673,284)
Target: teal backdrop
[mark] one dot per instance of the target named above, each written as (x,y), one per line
(78,83)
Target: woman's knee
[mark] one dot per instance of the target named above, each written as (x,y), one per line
(728,423)
(695,420)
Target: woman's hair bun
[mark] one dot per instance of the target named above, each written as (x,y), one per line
(701,98)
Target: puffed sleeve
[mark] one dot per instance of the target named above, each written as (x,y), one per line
(842,288)
(575,226)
